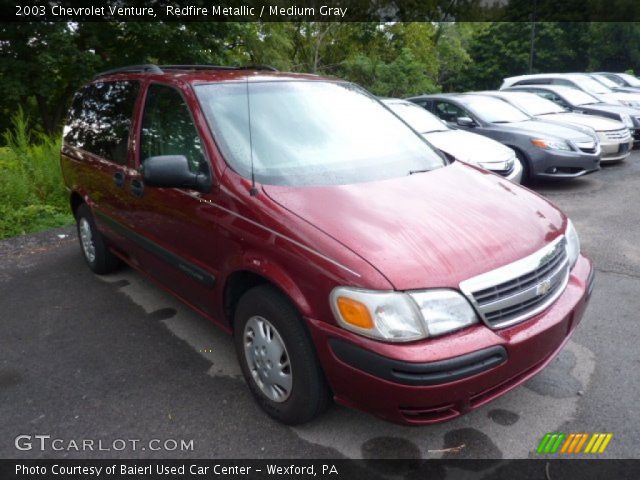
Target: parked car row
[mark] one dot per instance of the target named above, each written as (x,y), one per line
(344,253)
(558,125)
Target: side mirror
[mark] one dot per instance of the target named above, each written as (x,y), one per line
(465,122)
(172,171)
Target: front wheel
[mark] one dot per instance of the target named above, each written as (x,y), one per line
(94,247)
(526,169)
(277,357)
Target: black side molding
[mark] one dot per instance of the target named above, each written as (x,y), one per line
(408,373)
(194,271)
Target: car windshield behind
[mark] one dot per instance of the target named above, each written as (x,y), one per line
(607,82)
(311,133)
(578,97)
(534,105)
(630,79)
(590,85)
(417,117)
(494,110)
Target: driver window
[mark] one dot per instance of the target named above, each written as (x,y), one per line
(449,112)
(168,129)
(554,98)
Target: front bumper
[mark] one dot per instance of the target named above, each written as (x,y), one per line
(439,379)
(516,174)
(613,151)
(550,164)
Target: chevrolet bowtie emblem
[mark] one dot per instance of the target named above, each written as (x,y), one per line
(543,288)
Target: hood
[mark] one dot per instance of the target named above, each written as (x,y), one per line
(610,107)
(546,129)
(432,229)
(470,147)
(599,124)
(621,96)
(628,89)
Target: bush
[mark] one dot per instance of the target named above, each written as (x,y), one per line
(32,194)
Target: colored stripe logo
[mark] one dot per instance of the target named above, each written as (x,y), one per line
(574,443)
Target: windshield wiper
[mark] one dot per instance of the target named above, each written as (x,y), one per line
(411,172)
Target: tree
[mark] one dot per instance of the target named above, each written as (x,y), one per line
(42,64)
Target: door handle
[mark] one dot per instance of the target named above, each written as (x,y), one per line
(118,179)
(137,187)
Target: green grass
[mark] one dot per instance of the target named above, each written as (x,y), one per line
(32,194)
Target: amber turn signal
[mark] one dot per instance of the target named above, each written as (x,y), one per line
(354,312)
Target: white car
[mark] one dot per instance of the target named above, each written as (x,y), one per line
(465,146)
(614,137)
(576,80)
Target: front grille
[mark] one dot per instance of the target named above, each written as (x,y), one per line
(518,291)
(622,134)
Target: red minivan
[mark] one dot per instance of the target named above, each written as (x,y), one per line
(345,256)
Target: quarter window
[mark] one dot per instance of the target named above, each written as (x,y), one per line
(168,129)
(100,119)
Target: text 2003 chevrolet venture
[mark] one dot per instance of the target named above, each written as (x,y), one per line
(346,257)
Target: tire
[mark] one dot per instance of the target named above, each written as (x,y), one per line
(526,170)
(93,245)
(291,399)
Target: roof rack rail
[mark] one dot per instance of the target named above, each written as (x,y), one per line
(149,67)
(259,67)
(218,67)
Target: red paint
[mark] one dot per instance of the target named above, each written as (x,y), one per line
(427,230)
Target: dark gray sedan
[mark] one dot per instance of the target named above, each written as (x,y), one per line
(546,150)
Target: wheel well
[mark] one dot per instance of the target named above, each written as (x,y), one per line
(525,159)
(76,200)
(236,286)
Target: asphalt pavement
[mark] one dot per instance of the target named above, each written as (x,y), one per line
(116,361)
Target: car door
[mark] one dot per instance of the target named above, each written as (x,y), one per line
(175,230)
(97,138)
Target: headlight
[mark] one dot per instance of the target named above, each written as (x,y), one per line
(573,243)
(399,316)
(626,119)
(548,144)
(444,311)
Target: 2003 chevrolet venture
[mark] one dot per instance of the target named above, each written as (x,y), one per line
(345,256)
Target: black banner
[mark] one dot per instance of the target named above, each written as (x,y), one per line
(320,10)
(541,469)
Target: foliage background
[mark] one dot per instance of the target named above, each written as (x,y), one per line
(42,64)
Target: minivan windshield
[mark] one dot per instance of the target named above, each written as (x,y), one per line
(417,117)
(494,110)
(311,133)
(534,105)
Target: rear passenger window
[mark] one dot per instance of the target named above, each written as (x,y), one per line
(168,129)
(100,119)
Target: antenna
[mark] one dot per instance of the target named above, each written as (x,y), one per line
(254,191)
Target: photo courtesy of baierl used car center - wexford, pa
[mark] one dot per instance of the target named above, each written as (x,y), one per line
(348,257)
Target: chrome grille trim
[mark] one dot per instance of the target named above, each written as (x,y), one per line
(622,134)
(515,292)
